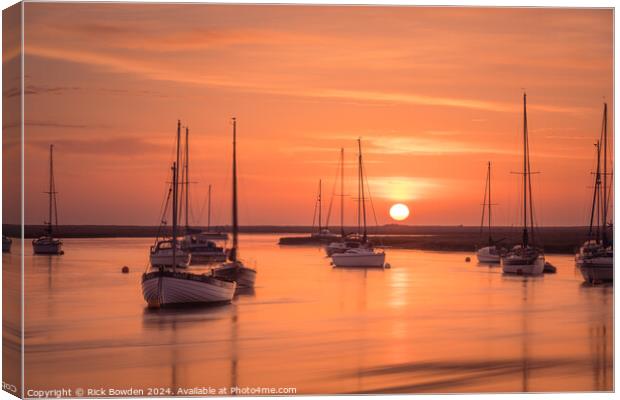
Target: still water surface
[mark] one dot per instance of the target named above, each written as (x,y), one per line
(431,323)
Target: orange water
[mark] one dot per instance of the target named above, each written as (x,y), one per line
(431,323)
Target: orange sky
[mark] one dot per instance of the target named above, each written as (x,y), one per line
(434,92)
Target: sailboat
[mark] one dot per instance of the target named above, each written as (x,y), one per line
(168,252)
(322,234)
(166,286)
(6,244)
(362,256)
(345,242)
(595,259)
(235,270)
(209,233)
(198,244)
(491,253)
(525,258)
(47,244)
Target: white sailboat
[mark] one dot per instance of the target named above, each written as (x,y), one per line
(323,234)
(167,253)
(212,234)
(345,242)
(163,285)
(48,244)
(235,270)
(490,254)
(202,248)
(362,256)
(595,259)
(525,258)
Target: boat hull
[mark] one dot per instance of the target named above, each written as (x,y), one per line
(237,272)
(521,267)
(374,260)
(161,288)
(6,245)
(53,247)
(485,255)
(596,269)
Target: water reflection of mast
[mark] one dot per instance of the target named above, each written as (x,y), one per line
(233,343)
(362,339)
(524,335)
(598,343)
(173,380)
(49,275)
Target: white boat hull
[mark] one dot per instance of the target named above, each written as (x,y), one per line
(596,269)
(371,260)
(237,272)
(168,288)
(485,255)
(512,266)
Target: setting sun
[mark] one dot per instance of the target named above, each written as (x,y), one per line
(399,212)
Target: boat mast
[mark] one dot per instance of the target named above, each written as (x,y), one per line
(342,192)
(525,171)
(595,197)
(186,180)
(489,183)
(209,211)
(361,178)
(604,199)
(235,226)
(175,200)
(320,204)
(51,192)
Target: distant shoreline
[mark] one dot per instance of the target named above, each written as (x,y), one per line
(438,238)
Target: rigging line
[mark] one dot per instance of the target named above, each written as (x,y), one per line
(372,206)
(182,183)
(598,213)
(597,179)
(529,180)
(484,208)
(202,208)
(163,211)
(55,203)
(609,192)
(331,200)
(370,200)
(316,203)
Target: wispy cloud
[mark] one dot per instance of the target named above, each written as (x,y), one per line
(420,145)
(164,72)
(402,188)
(103,147)
(52,124)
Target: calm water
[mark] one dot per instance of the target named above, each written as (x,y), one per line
(431,323)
